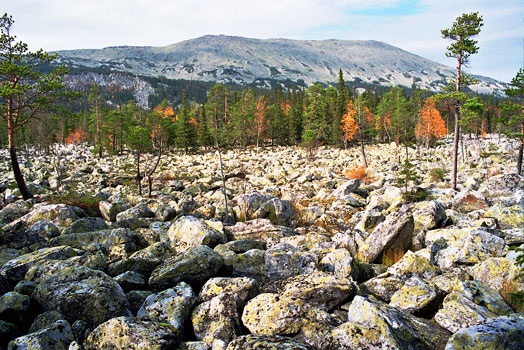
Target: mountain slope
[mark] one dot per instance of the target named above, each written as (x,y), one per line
(227,59)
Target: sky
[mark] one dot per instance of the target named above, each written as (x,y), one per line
(412,25)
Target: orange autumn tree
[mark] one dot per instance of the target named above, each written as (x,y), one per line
(430,126)
(348,123)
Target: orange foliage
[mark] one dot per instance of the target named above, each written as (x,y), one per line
(348,124)
(166,112)
(360,173)
(483,128)
(77,136)
(193,122)
(430,126)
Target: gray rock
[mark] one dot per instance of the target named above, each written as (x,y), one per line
(259,230)
(322,290)
(131,280)
(470,303)
(194,265)
(189,231)
(172,306)
(266,342)
(87,225)
(468,201)
(110,210)
(117,244)
(284,260)
(58,336)
(373,324)
(14,307)
(80,293)
(217,318)
(453,246)
(44,320)
(242,287)
(394,233)
(13,211)
(417,297)
(505,332)
(132,333)
(15,269)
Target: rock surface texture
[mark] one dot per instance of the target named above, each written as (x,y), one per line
(307,259)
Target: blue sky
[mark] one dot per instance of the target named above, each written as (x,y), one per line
(413,25)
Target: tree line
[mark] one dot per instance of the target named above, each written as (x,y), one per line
(36,109)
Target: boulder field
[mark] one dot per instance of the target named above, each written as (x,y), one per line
(303,255)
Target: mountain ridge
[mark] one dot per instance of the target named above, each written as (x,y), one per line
(249,61)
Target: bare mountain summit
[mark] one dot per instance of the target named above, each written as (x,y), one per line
(229,59)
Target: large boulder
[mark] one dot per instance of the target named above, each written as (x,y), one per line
(394,233)
(15,269)
(504,332)
(57,335)
(284,260)
(374,325)
(245,342)
(458,246)
(469,304)
(189,231)
(194,265)
(172,305)
(123,333)
(80,293)
(116,244)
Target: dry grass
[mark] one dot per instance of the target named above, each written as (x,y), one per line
(512,295)
(392,255)
(360,173)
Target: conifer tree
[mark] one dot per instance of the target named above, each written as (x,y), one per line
(461,33)
(26,92)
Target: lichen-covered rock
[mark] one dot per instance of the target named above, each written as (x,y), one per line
(471,245)
(189,231)
(417,297)
(382,287)
(501,274)
(14,307)
(346,188)
(429,215)
(131,333)
(339,262)
(87,225)
(80,293)
(109,210)
(413,264)
(395,233)
(320,289)
(259,230)
(247,342)
(44,320)
(136,299)
(194,265)
(45,229)
(13,211)
(508,217)
(131,280)
(374,325)
(172,306)
(243,287)
(504,185)
(505,333)
(217,318)
(468,201)
(470,303)
(250,264)
(57,335)
(139,211)
(15,269)
(284,260)
(116,244)
(270,314)
(60,214)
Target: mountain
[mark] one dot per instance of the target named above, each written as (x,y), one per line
(230,59)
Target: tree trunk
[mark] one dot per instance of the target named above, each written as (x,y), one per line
(456,138)
(363,151)
(138,176)
(14,160)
